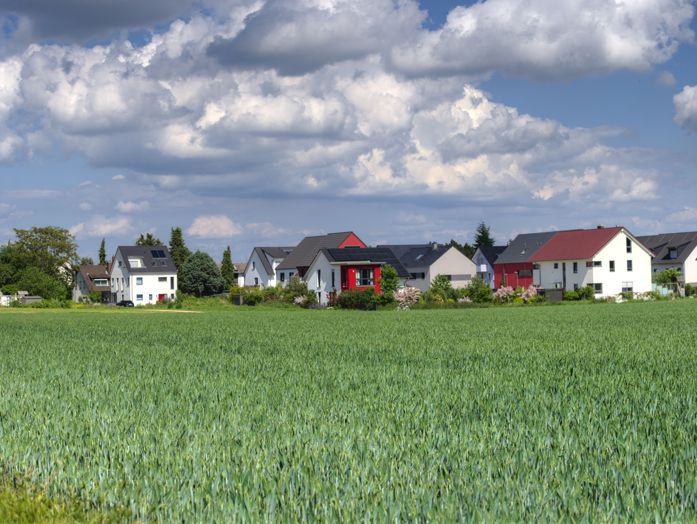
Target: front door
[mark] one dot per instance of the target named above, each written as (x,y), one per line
(161,297)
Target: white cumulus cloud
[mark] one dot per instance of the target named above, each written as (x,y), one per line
(686,108)
(130,206)
(213,226)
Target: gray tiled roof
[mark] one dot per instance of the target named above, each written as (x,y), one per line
(418,255)
(90,272)
(375,255)
(152,264)
(492,253)
(685,243)
(306,251)
(523,247)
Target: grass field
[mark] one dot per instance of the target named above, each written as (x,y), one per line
(584,412)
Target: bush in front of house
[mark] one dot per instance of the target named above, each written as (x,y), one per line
(407,297)
(478,291)
(367,300)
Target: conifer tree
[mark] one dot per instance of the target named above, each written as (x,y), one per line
(227,268)
(177,248)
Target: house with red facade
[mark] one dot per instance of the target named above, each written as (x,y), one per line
(515,267)
(336,270)
(299,260)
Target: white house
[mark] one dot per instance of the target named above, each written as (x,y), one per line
(91,278)
(426,261)
(484,259)
(610,260)
(261,266)
(674,251)
(239,272)
(143,274)
(335,270)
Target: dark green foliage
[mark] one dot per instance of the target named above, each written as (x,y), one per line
(52,250)
(102,252)
(483,236)
(367,300)
(86,261)
(690,290)
(7,272)
(148,240)
(200,276)
(253,296)
(389,282)
(36,282)
(227,268)
(9,289)
(583,293)
(441,288)
(177,248)
(478,291)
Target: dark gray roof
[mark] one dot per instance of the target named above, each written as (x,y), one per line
(152,263)
(418,255)
(374,255)
(523,247)
(685,243)
(492,253)
(306,251)
(274,253)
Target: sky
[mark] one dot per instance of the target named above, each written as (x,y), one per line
(257,122)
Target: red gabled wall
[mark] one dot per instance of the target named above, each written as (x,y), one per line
(510,271)
(348,278)
(352,241)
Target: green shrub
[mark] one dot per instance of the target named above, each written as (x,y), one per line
(690,290)
(478,291)
(367,300)
(571,295)
(9,289)
(253,296)
(586,293)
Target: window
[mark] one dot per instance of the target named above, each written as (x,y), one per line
(597,263)
(629,265)
(598,288)
(256,281)
(575,267)
(157,253)
(629,245)
(319,277)
(673,253)
(536,266)
(136,262)
(172,296)
(162,279)
(150,296)
(283,276)
(365,277)
(254,265)
(575,287)
(139,297)
(120,263)
(101,282)
(139,281)
(333,278)
(171,282)
(627,287)
(556,265)
(612,266)
(418,276)
(525,273)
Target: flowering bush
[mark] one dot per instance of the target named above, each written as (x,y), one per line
(407,297)
(504,294)
(529,294)
(464,300)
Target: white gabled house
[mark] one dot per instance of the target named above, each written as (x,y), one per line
(674,251)
(484,259)
(610,260)
(261,266)
(143,274)
(424,262)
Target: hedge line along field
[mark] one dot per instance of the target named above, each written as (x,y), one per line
(584,412)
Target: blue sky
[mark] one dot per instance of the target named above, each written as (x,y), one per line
(257,122)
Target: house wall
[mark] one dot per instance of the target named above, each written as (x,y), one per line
(512,277)
(453,263)
(80,289)
(483,268)
(120,281)
(420,283)
(352,241)
(124,285)
(612,281)
(321,283)
(255,270)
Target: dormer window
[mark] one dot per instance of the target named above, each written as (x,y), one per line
(135,262)
(673,253)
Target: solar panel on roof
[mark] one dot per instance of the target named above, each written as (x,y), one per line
(157,253)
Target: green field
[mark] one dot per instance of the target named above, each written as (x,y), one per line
(584,412)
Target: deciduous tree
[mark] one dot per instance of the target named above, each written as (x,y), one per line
(200,276)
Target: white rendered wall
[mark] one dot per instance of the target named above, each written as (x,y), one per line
(454,263)
(323,284)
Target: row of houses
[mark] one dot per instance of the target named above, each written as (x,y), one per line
(610,260)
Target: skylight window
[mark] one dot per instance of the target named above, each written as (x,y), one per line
(157,253)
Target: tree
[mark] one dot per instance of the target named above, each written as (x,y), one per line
(389,281)
(36,282)
(465,248)
(50,249)
(148,240)
(201,276)
(441,287)
(483,236)
(177,247)
(102,253)
(86,261)
(478,291)
(227,268)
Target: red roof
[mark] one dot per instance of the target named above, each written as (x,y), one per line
(579,244)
